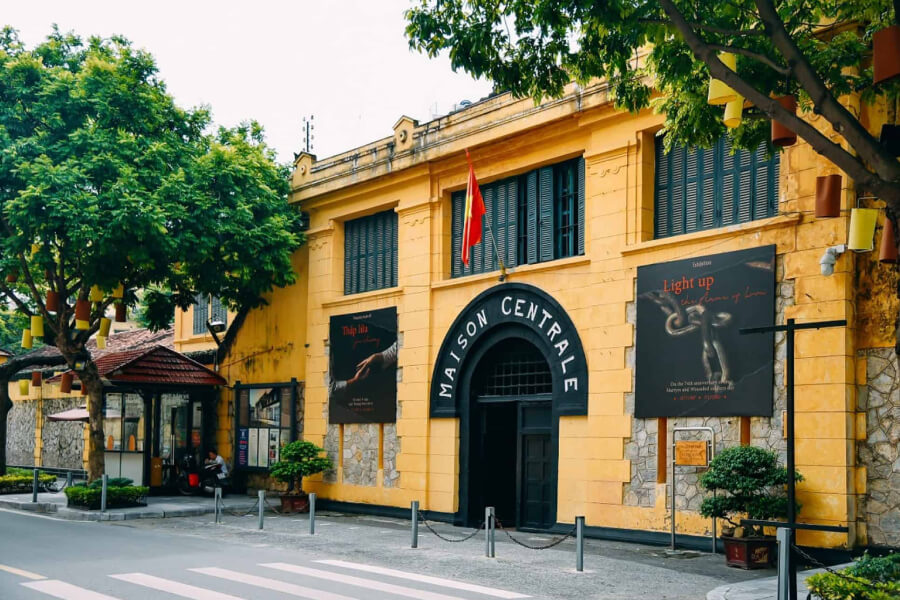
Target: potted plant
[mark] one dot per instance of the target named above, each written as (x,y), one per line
(753,483)
(298,460)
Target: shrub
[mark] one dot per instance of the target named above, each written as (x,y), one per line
(753,481)
(111,482)
(869,578)
(88,496)
(298,460)
(21,481)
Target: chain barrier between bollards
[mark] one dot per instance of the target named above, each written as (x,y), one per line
(414,519)
(579,544)
(445,538)
(312,513)
(34,486)
(553,543)
(103,493)
(261,503)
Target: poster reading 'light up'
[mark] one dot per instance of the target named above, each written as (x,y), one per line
(362,384)
(691,358)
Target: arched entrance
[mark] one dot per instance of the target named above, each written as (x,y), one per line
(511,364)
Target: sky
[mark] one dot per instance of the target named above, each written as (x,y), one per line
(346,63)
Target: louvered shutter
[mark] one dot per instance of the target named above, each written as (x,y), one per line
(201,313)
(745,186)
(581,212)
(379,224)
(393,249)
(531,195)
(730,179)
(348,259)
(218,311)
(457,200)
(484,250)
(662,198)
(707,175)
(511,233)
(677,191)
(545,207)
(691,197)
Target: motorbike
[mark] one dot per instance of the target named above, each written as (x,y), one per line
(199,480)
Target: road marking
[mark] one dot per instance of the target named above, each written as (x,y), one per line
(271,584)
(66,591)
(21,572)
(459,585)
(370,584)
(173,587)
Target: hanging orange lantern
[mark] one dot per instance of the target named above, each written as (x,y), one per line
(52,302)
(781,134)
(12,277)
(83,389)
(65,384)
(828,196)
(35,379)
(121,313)
(886,54)
(888,252)
(82,315)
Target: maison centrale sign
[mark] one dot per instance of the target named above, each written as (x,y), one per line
(691,359)
(512,310)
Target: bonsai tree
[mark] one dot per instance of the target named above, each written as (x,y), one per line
(753,481)
(298,460)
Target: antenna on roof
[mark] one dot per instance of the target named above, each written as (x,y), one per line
(307,132)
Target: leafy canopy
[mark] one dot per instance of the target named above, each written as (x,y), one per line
(104,180)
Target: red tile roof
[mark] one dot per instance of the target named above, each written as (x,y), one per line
(156,365)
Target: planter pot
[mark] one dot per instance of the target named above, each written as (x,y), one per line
(886,54)
(749,552)
(888,252)
(295,503)
(828,196)
(781,135)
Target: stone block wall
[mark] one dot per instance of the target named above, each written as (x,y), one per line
(62,442)
(879,453)
(20,426)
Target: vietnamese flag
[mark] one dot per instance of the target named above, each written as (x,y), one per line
(473,212)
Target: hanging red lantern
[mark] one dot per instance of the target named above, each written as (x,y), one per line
(828,196)
(121,313)
(35,379)
(886,54)
(65,384)
(888,252)
(781,134)
(82,315)
(12,277)
(52,302)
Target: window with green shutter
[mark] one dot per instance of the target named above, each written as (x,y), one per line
(535,217)
(706,188)
(218,311)
(370,253)
(201,313)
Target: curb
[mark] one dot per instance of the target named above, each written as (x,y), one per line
(70,514)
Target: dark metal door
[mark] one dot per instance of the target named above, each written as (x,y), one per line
(537,473)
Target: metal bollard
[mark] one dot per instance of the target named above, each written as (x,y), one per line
(261,495)
(68,478)
(105,480)
(489,531)
(217,495)
(312,514)
(783,535)
(34,486)
(414,517)
(579,543)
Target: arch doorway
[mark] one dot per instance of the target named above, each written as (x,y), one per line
(512,441)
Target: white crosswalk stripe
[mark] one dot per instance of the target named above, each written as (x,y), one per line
(439,581)
(65,591)
(371,584)
(271,584)
(173,587)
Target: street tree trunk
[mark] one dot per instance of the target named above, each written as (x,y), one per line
(96,442)
(5,406)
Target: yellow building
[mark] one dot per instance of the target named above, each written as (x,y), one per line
(539,388)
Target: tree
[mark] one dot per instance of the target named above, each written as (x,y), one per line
(107,187)
(816,51)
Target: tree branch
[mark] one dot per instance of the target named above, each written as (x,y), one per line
(754,55)
(710,28)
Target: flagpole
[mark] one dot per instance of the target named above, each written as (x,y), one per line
(490,231)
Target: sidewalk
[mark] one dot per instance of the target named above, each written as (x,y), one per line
(158,507)
(763,589)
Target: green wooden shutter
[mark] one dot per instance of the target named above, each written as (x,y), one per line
(709,215)
(348,259)
(201,313)
(457,199)
(392,249)
(581,183)
(662,185)
(545,211)
(511,233)
(692,215)
(218,311)
(531,195)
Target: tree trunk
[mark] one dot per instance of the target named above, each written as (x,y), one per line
(5,407)
(90,378)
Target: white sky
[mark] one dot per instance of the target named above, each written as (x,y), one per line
(345,61)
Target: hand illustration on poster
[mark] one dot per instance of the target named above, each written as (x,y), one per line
(690,357)
(363,367)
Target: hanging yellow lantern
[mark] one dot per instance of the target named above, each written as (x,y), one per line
(26,338)
(96,294)
(24,387)
(104,327)
(719,91)
(37,326)
(101,342)
(733,112)
(35,248)
(862,229)
(119,292)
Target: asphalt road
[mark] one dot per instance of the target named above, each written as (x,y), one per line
(355,558)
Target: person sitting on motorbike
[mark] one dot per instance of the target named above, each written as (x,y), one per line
(215,459)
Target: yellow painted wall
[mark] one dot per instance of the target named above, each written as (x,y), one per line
(414,175)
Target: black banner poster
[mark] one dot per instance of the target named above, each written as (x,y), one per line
(362,384)
(690,358)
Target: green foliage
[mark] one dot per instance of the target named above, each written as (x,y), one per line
(11,325)
(21,480)
(89,496)
(111,482)
(869,578)
(752,480)
(535,48)
(298,460)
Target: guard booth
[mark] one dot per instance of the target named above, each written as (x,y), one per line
(158,407)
